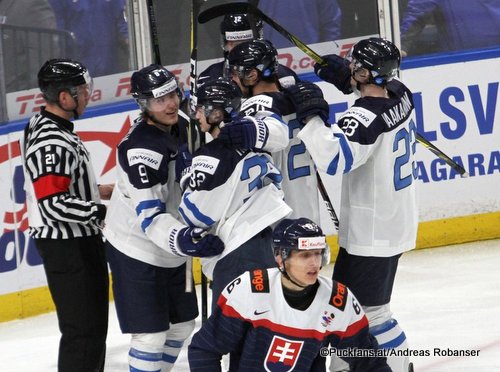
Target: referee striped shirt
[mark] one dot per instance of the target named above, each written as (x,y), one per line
(62,193)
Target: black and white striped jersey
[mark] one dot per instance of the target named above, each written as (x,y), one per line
(61,189)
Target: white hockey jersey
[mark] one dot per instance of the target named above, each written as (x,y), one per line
(373,145)
(142,220)
(254,322)
(234,193)
(294,161)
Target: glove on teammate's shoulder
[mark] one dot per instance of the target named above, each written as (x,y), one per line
(244,133)
(194,241)
(308,100)
(336,72)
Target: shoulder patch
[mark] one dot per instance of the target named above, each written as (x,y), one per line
(257,103)
(339,296)
(259,281)
(206,164)
(144,156)
(362,115)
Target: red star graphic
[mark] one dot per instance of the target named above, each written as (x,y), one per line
(111,139)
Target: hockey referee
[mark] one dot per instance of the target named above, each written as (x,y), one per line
(66,215)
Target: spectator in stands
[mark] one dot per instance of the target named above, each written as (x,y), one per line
(101,32)
(460,25)
(310,21)
(19,72)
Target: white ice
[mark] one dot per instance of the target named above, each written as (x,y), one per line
(446,298)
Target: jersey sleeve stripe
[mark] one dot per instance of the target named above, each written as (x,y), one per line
(196,212)
(51,184)
(148,220)
(150,204)
(185,217)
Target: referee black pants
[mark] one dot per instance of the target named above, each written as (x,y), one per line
(77,276)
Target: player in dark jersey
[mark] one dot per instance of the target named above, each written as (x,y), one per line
(235,193)
(253,66)
(148,245)
(373,145)
(235,29)
(285,318)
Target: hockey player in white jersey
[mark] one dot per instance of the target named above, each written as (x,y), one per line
(285,318)
(373,146)
(234,193)
(147,244)
(253,65)
(235,29)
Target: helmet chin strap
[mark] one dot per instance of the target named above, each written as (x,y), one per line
(286,275)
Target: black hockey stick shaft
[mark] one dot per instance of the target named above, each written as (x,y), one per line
(328,203)
(195,10)
(153,32)
(219,10)
(239,7)
(453,164)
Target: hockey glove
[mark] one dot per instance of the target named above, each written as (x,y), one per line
(182,161)
(336,72)
(245,133)
(308,100)
(194,241)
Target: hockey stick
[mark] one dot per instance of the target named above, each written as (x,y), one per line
(153,32)
(328,203)
(229,8)
(219,10)
(453,164)
(193,127)
(157,59)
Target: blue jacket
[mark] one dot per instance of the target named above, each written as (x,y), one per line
(467,24)
(100,30)
(310,21)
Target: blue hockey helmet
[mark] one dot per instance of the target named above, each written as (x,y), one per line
(258,54)
(238,27)
(221,93)
(153,81)
(62,74)
(379,56)
(299,234)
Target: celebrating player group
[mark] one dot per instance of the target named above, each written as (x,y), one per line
(246,202)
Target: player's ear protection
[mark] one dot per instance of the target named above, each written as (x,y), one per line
(266,72)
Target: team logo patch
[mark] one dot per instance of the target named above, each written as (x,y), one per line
(206,164)
(339,297)
(282,354)
(259,281)
(147,157)
(362,115)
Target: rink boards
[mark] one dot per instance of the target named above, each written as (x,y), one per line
(456,104)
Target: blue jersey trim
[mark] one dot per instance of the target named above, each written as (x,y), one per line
(196,212)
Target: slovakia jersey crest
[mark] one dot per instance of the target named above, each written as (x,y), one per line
(282,354)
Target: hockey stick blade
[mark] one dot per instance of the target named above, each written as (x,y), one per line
(223,9)
(441,155)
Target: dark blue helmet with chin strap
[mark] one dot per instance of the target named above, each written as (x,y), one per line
(299,234)
(379,56)
(153,81)
(222,94)
(258,54)
(237,27)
